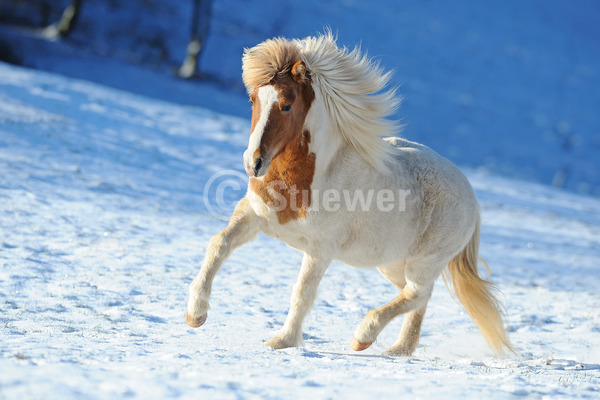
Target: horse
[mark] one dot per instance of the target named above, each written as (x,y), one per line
(324,180)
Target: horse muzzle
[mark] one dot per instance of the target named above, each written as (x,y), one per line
(256,165)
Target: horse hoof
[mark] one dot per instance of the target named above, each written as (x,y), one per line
(195,322)
(359,346)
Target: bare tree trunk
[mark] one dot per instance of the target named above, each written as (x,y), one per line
(66,23)
(201,14)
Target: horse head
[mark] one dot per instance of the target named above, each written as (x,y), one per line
(279,110)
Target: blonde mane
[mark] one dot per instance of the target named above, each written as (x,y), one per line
(350,84)
(263,62)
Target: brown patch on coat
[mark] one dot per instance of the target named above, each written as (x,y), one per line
(255,110)
(286,186)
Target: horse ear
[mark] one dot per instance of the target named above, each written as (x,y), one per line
(299,72)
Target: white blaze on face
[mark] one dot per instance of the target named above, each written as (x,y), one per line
(267,96)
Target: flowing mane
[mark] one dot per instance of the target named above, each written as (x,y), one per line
(349,82)
(263,62)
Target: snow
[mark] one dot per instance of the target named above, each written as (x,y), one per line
(105,211)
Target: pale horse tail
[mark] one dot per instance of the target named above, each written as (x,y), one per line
(476,294)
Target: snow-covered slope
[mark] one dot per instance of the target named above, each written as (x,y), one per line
(103,224)
(511,85)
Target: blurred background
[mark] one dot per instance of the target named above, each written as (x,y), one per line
(512,87)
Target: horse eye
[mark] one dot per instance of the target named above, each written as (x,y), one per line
(286,108)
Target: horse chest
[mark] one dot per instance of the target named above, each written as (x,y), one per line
(286,188)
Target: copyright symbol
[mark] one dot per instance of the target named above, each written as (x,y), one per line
(222,192)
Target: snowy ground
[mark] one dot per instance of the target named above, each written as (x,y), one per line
(103,226)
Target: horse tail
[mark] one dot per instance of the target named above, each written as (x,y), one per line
(476,294)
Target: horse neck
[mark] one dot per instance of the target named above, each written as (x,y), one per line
(323,142)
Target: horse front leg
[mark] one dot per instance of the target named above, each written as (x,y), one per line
(303,296)
(242,227)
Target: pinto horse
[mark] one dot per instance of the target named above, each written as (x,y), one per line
(315,154)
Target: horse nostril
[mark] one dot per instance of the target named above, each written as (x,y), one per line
(258,165)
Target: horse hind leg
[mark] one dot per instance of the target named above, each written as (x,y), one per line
(416,282)
(395,274)
(409,334)
(411,327)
